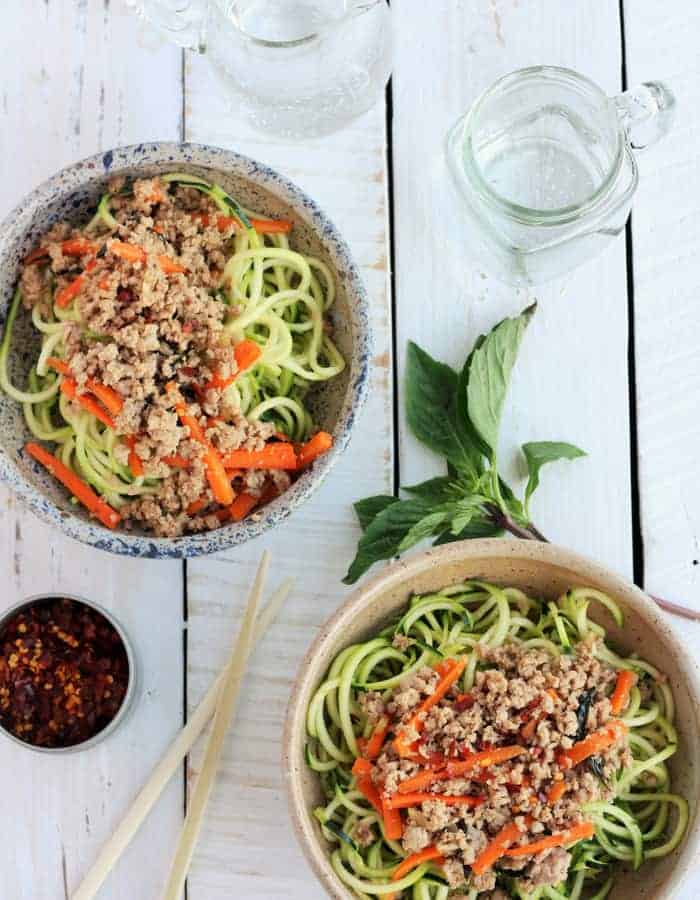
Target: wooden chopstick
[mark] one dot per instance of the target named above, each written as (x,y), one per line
(164,770)
(225,708)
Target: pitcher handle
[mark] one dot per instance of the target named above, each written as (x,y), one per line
(646,112)
(180,21)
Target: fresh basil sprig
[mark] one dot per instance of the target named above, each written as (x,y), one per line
(457,415)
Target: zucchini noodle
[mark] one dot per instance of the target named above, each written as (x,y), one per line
(275,296)
(645,820)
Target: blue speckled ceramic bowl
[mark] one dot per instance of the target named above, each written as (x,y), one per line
(72,194)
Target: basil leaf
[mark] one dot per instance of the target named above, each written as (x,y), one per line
(426,527)
(431,405)
(538,453)
(368,508)
(436,490)
(384,535)
(479,527)
(489,374)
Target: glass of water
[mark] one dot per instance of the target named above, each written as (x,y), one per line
(545,161)
(298,68)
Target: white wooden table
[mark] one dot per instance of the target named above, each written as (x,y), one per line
(611,363)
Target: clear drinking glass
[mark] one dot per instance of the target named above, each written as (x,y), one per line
(545,162)
(299,68)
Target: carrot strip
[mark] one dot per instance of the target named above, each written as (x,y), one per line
(484,758)
(135,462)
(169,266)
(78,488)
(59,365)
(273,456)
(594,743)
(361,767)
(556,792)
(176,462)
(496,848)
(430,854)
(246,354)
(129,252)
(69,388)
(393,826)
(70,291)
(78,247)
(626,680)
(320,443)
(271,226)
(422,780)
(403,801)
(376,741)
(450,671)
(570,836)
(109,398)
(369,790)
(196,506)
(242,505)
(36,254)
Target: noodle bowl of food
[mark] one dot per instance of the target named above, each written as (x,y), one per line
(496,716)
(184,352)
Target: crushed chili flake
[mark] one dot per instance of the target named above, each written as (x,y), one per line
(64,673)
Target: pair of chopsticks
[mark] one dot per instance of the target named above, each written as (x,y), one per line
(219,701)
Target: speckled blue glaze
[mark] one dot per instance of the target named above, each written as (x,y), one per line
(72,194)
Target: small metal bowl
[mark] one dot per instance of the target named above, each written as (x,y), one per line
(129,696)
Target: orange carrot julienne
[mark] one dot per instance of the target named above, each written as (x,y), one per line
(361,766)
(422,780)
(403,801)
(59,365)
(626,679)
(430,854)
(36,254)
(320,443)
(109,398)
(600,740)
(216,473)
(169,266)
(368,789)
(483,759)
(570,836)
(496,848)
(78,488)
(449,670)
(71,291)
(246,354)
(376,742)
(196,506)
(273,456)
(69,388)
(176,462)
(78,247)
(129,252)
(239,509)
(271,226)
(556,792)
(393,826)
(135,462)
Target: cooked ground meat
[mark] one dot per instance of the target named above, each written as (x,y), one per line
(524,699)
(142,327)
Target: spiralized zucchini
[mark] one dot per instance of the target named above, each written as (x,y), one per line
(645,821)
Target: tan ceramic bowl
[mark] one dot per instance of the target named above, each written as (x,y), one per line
(545,570)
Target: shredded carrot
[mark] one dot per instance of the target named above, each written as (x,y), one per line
(376,741)
(36,255)
(59,365)
(320,443)
(422,780)
(271,226)
(169,266)
(135,462)
(103,284)
(109,398)
(483,759)
(430,854)
(605,737)
(556,792)
(71,291)
(129,252)
(69,388)
(361,766)
(570,836)
(246,354)
(496,848)
(78,488)
(273,456)
(393,826)
(196,506)
(403,801)
(626,679)
(450,671)
(176,462)
(242,505)
(78,247)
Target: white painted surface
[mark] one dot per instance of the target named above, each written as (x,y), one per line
(571,383)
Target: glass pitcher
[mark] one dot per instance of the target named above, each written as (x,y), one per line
(546,164)
(298,68)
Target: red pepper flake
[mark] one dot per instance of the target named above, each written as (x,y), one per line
(64,673)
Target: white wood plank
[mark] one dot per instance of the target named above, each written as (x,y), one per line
(662,44)
(247,848)
(571,379)
(83,83)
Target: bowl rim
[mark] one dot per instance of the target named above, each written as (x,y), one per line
(394,574)
(207,156)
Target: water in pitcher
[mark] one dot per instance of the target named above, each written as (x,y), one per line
(301,68)
(545,160)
